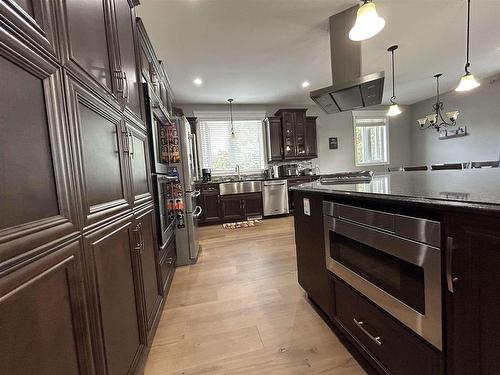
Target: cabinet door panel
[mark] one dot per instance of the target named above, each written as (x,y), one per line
(102,141)
(20,157)
(288,135)
(139,161)
(32,20)
(125,17)
(253,205)
(114,268)
(209,202)
(473,309)
(36,187)
(149,261)
(300,134)
(43,317)
(88,39)
(232,208)
(101,153)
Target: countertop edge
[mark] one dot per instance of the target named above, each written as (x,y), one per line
(471,207)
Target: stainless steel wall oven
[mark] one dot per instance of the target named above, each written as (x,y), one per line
(393,260)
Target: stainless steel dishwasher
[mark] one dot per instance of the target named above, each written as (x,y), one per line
(275,197)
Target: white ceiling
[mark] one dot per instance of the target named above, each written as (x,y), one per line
(260,51)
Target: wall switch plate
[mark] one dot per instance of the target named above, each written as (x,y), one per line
(307,207)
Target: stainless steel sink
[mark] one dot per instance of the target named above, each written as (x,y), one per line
(240,187)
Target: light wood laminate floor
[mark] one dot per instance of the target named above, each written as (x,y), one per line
(240,310)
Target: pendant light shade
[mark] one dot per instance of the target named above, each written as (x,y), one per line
(394,109)
(231,116)
(368,22)
(468,82)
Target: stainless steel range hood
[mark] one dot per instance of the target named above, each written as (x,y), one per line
(350,90)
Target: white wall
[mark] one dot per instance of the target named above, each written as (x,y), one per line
(479,111)
(338,125)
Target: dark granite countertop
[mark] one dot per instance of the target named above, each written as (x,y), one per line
(477,189)
(304,177)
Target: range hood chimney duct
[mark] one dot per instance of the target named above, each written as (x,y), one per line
(350,90)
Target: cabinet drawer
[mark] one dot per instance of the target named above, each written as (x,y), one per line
(167,263)
(397,349)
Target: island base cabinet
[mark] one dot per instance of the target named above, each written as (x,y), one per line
(388,346)
(473,298)
(43,320)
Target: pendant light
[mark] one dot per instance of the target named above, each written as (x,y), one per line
(231,114)
(394,108)
(468,82)
(368,22)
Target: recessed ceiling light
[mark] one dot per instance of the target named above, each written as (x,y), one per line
(305,84)
(197,81)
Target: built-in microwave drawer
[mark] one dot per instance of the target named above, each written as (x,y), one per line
(395,347)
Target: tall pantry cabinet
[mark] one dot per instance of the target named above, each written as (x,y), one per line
(79,285)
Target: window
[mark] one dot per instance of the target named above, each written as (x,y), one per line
(221,151)
(371,138)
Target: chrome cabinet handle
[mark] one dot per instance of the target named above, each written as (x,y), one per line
(170,261)
(197,212)
(131,141)
(138,246)
(196,194)
(450,280)
(118,75)
(126,140)
(126,91)
(376,339)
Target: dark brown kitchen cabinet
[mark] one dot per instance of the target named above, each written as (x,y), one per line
(239,207)
(167,264)
(87,33)
(34,22)
(232,208)
(125,26)
(113,264)
(310,136)
(472,298)
(103,144)
(310,249)
(139,162)
(144,229)
(274,138)
(389,346)
(36,187)
(209,201)
(252,205)
(43,316)
(291,135)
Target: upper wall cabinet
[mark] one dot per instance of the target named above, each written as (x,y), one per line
(125,27)
(33,22)
(100,47)
(37,193)
(153,72)
(88,43)
(291,135)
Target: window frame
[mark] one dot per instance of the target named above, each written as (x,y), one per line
(371,115)
(237,116)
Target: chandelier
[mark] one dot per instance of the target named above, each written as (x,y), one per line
(436,120)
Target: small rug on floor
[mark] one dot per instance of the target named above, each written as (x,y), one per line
(241,224)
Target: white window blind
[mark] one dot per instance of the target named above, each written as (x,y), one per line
(221,151)
(371,138)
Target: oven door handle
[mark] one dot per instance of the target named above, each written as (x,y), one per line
(197,212)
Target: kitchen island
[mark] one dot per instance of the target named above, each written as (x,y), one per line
(406,267)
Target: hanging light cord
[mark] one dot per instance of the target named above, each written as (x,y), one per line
(231,114)
(393,90)
(391,49)
(467,64)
